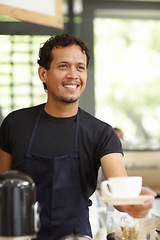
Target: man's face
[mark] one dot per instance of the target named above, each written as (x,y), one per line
(67,76)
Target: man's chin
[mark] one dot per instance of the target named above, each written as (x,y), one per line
(71,100)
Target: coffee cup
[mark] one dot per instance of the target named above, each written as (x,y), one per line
(122,186)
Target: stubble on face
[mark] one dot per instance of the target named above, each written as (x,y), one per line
(71,100)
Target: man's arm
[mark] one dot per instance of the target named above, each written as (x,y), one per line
(113,166)
(5,161)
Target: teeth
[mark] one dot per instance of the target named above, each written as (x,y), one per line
(70,86)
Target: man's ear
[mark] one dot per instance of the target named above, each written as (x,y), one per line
(42,72)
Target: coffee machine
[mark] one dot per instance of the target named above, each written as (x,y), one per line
(19,211)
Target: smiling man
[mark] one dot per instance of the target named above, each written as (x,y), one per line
(60,145)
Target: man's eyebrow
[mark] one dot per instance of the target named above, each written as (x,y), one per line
(62,62)
(81,63)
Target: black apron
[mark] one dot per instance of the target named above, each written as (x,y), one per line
(59,191)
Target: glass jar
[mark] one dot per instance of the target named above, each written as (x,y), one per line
(121,226)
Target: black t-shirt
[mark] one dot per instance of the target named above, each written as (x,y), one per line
(55,137)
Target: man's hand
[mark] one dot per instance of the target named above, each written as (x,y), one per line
(139,211)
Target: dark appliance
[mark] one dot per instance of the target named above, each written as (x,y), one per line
(19,211)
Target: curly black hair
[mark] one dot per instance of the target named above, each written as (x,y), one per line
(45,52)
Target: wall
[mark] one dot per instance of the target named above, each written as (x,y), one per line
(145,164)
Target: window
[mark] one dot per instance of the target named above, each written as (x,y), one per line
(127,78)
(19,82)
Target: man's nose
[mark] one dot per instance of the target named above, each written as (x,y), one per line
(72,73)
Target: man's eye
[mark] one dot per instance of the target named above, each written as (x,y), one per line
(81,68)
(62,66)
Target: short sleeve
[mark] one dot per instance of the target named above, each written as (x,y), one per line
(110,143)
(4,135)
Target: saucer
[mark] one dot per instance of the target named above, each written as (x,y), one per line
(127,200)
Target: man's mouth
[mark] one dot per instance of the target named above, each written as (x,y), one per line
(72,86)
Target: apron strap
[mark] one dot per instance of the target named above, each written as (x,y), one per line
(34,130)
(76,134)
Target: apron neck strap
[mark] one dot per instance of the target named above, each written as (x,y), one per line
(76,134)
(34,130)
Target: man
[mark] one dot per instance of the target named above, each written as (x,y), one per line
(119,133)
(61,146)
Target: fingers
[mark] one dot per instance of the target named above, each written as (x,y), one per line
(146,191)
(138,211)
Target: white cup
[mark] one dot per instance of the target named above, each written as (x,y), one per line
(122,186)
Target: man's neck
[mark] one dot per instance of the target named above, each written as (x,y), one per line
(62,110)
